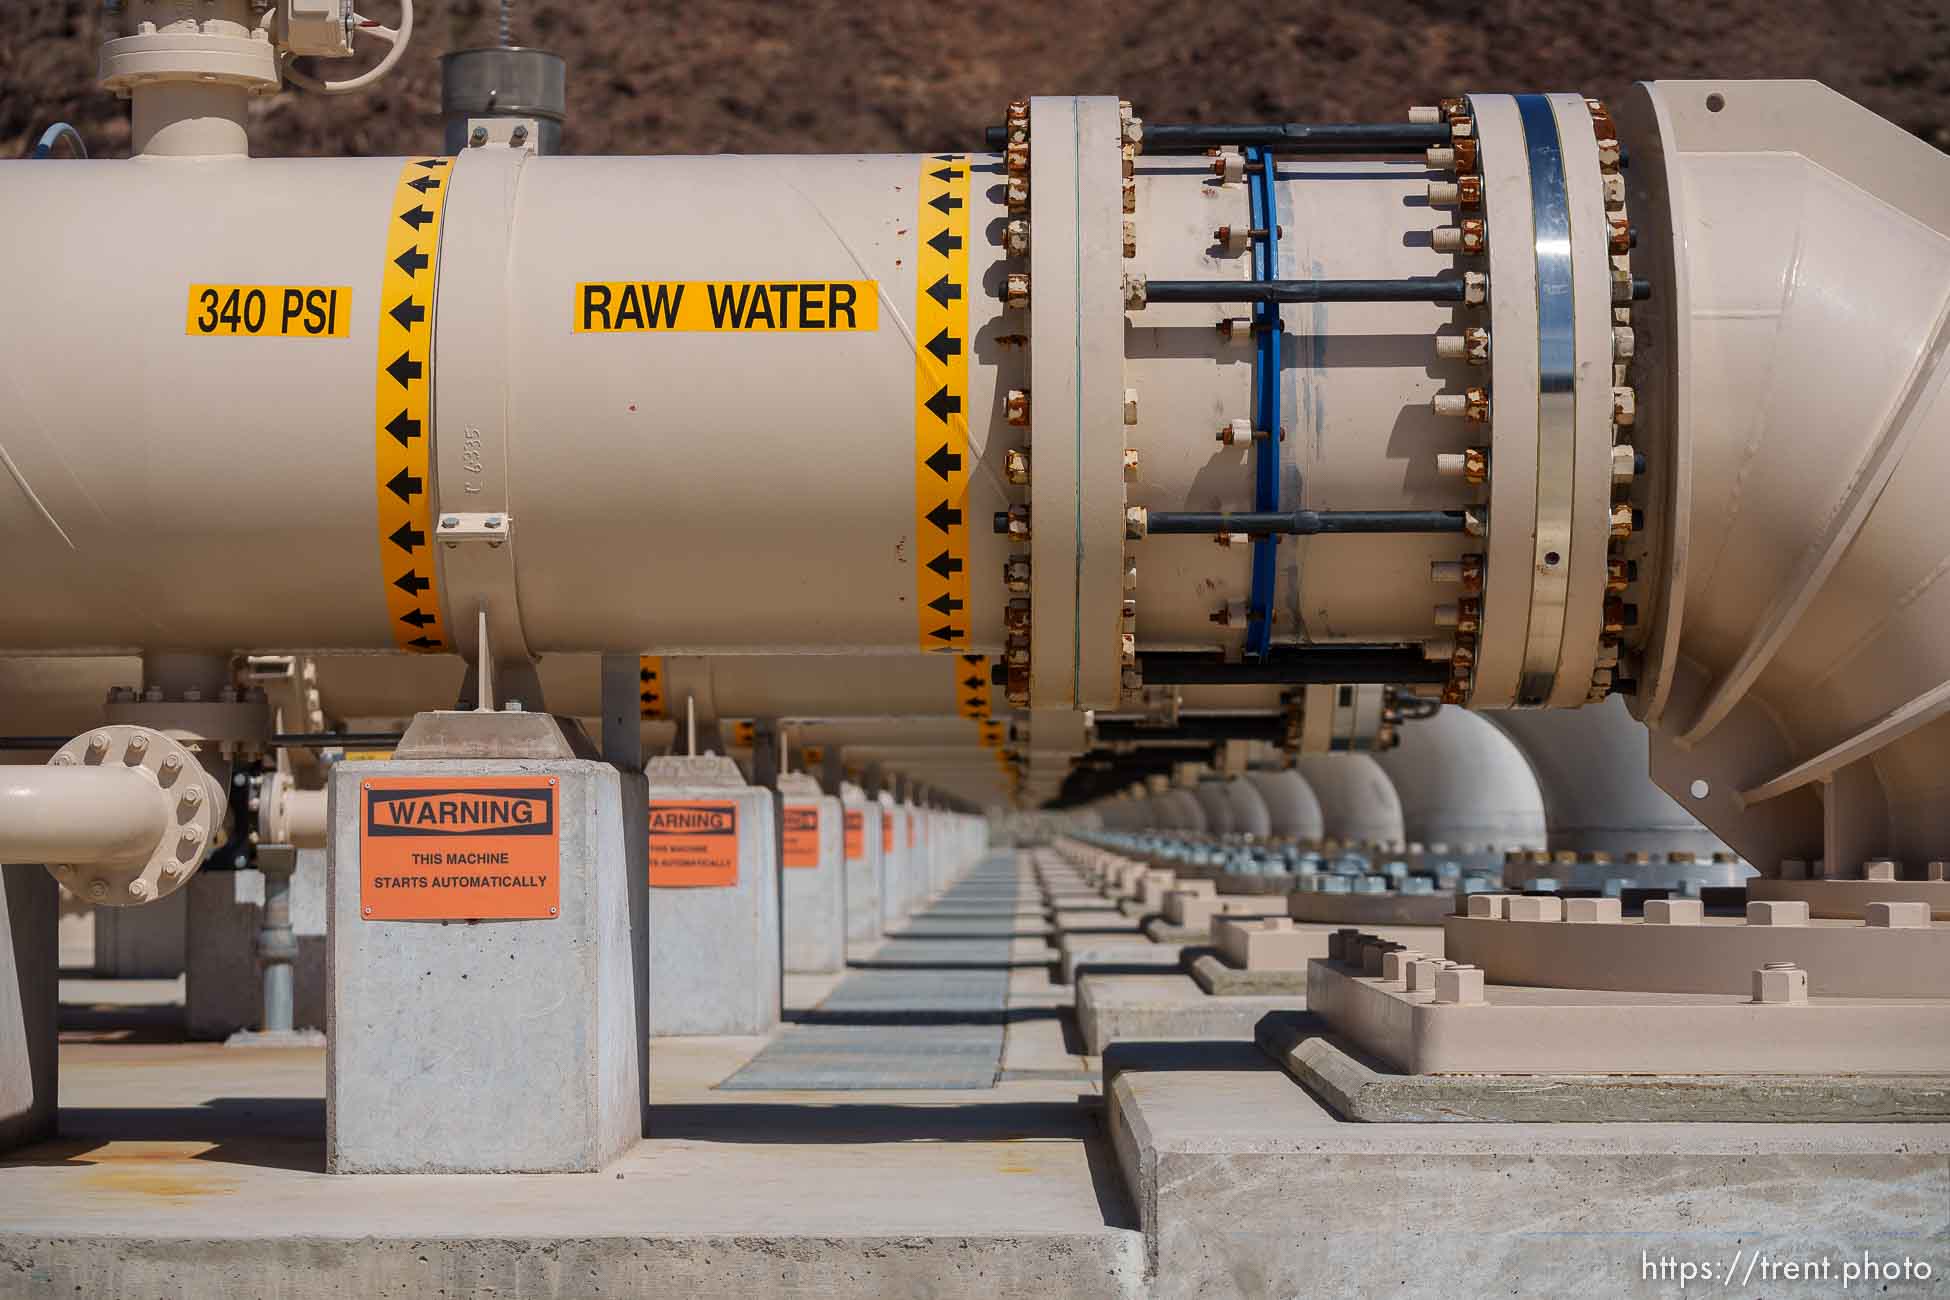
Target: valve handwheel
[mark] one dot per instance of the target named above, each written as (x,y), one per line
(394,38)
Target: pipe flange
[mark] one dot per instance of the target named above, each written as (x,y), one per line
(199,805)
(153,58)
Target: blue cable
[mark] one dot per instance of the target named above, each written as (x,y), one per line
(1268,336)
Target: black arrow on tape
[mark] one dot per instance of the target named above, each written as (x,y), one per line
(944,516)
(411,583)
(947,173)
(412,261)
(972,683)
(432,162)
(404,428)
(407,538)
(645,675)
(943,291)
(404,369)
(405,486)
(944,203)
(945,564)
(946,157)
(424,183)
(943,460)
(416,216)
(424,643)
(417,619)
(945,633)
(944,404)
(944,604)
(407,312)
(975,660)
(944,243)
(943,345)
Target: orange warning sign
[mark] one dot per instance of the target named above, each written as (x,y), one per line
(886,831)
(801,835)
(437,848)
(693,843)
(856,835)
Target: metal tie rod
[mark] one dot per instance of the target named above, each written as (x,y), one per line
(1418,290)
(1310,666)
(1284,137)
(1308,523)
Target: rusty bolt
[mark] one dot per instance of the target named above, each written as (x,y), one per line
(1621,520)
(1229,165)
(1231,539)
(1127,649)
(1137,521)
(1476,288)
(1015,238)
(1620,573)
(1130,610)
(1016,158)
(1130,464)
(1016,465)
(1128,163)
(1464,148)
(1473,235)
(1015,573)
(1614,191)
(1608,154)
(1624,462)
(1130,237)
(1133,681)
(1235,330)
(1624,406)
(1469,192)
(1619,234)
(1469,614)
(1134,291)
(1015,408)
(1018,196)
(1015,654)
(1016,290)
(1130,194)
(1476,465)
(1015,616)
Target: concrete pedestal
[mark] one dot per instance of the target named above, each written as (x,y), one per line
(29,968)
(224,992)
(894,861)
(814,895)
(492,1046)
(863,870)
(715,960)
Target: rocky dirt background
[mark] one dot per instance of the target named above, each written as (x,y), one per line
(825,75)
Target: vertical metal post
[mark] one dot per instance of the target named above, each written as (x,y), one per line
(277,946)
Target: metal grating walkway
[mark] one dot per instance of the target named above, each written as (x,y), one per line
(927,1010)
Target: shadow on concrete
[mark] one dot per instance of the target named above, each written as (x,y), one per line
(911,935)
(1189,1054)
(263,1132)
(113,1023)
(894,1016)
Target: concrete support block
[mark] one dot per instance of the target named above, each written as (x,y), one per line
(715,948)
(860,836)
(29,982)
(492,1046)
(142,943)
(224,991)
(813,879)
(893,865)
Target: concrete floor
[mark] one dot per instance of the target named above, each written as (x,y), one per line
(194,1168)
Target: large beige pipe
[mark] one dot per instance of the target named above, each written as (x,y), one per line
(1292,810)
(1464,785)
(84,816)
(1591,766)
(1358,803)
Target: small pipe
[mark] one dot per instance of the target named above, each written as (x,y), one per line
(1307,523)
(80,815)
(1416,290)
(335,739)
(55,135)
(1309,666)
(1284,137)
